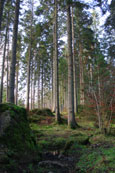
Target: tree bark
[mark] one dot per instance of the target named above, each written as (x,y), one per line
(28,78)
(7,78)
(3,65)
(31,83)
(90,76)
(74,66)
(53,63)
(16,88)
(71,115)
(1,11)
(52,83)
(82,97)
(14,46)
(34,90)
(38,84)
(42,82)
(29,62)
(99,103)
(57,116)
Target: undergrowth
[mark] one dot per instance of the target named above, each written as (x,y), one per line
(92,151)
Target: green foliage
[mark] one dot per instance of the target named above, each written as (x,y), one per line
(63,70)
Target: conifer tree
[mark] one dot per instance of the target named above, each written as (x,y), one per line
(56,64)
(14,47)
(71,115)
(1,11)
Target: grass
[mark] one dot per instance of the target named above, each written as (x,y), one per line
(84,149)
(95,160)
(52,137)
(93,152)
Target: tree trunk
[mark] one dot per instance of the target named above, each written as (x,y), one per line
(53,75)
(14,46)
(31,82)
(52,85)
(29,63)
(34,90)
(3,67)
(8,56)
(82,99)
(1,11)
(64,95)
(42,86)
(74,67)
(38,84)
(7,78)
(38,94)
(28,79)
(57,116)
(71,115)
(90,76)
(99,103)
(16,88)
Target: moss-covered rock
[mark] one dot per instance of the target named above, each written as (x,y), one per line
(43,112)
(4,121)
(15,134)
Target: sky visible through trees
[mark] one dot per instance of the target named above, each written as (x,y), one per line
(82,35)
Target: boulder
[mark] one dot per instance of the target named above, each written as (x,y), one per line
(16,137)
(4,121)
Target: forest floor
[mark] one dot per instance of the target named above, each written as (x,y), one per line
(55,148)
(63,150)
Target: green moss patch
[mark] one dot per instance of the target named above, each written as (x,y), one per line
(97,159)
(17,137)
(43,112)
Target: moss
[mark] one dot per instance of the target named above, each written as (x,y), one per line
(43,112)
(101,138)
(18,136)
(52,143)
(36,119)
(94,160)
(68,142)
(11,107)
(67,146)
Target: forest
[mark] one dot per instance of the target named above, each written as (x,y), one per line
(57,86)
